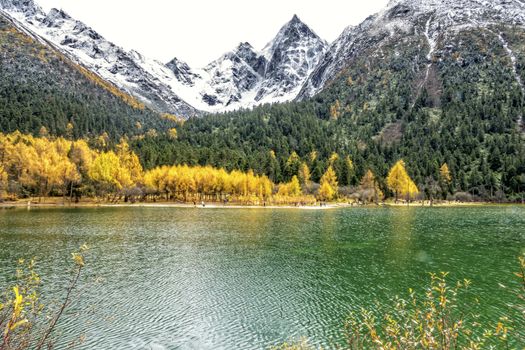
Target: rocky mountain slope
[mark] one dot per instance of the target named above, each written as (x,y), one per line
(415,35)
(245,77)
(240,78)
(42,90)
(436,23)
(130,71)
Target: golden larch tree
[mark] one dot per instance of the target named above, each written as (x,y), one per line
(304,176)
(369,188)
(444,173)
(329,186)
(399,182)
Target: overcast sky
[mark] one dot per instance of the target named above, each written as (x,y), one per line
(199,31)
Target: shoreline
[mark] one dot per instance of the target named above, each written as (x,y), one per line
(15,205)
(328,206)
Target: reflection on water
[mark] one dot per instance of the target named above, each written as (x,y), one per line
(400,236)
(246,279)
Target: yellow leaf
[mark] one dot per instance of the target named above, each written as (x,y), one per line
(18,324)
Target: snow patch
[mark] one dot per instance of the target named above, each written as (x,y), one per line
(513,59)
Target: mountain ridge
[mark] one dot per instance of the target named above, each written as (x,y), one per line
(245,77)
(432,20)
(84,45)
(295,65)
(241,78)
(42,90)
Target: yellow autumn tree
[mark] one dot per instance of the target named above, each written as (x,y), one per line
(156,180)
(69,130)
(304,176)
(328,186)
(292,164)
(369,189)
(130,161)
(103,141)
(291,189)
(444,173)
(335,110)
(349,170)
(399,182)
(265,188)
(3,182)
(334,157)
(43,165)
(207,183)
(326,192)
(172,133)
(43,132)
(108,173)
(82,156)
(312,156)
(67,173)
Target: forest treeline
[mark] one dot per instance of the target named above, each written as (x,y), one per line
(38,167)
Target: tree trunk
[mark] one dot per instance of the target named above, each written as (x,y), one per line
(71,193)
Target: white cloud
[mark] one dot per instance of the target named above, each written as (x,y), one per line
(199,31)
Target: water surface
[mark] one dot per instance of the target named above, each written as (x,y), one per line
(184,278)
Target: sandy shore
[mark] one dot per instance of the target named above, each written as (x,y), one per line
(60,204)
(57,203)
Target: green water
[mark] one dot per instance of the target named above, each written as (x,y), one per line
(171,278)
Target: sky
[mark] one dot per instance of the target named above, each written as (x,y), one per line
(200,31)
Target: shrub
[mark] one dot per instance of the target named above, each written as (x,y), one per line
(433,320)
(23,321)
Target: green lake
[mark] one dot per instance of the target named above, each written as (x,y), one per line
(184,278)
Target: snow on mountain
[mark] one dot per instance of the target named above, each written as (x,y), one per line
(434,20)
(129,71)
(292,56)
(245,77)
(241,78)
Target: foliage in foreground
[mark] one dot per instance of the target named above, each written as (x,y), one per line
(434,320)
(25,323)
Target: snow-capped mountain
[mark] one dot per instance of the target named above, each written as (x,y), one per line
(292,56)
(435,21)
(245,77)
(296,64)
(241,78)
(129,71)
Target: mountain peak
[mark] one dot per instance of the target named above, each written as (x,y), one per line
(295,19)
(25,6)
(293,31)
(244,46)
(295,22)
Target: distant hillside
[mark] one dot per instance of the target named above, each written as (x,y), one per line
(41,87)
(427,81)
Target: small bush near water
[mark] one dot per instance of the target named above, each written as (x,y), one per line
(433,320)
(25,323)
